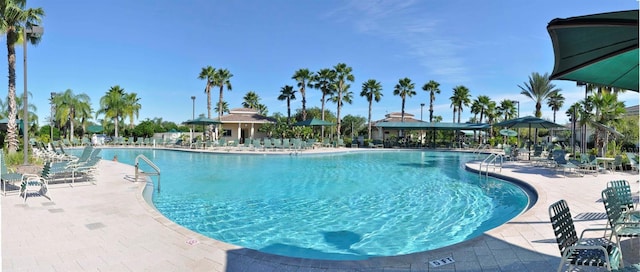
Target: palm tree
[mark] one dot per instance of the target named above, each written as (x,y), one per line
(507,109)
(609,111)
(251,100)
(343,75)
(460,98)
(539,88)
(287,93)
(208,73)
(225,107)
(67,104)
(404,89)
(555,102)
(113,106)
(13,18)
(304,78)
(131,107)
(433,88)
(323,80)
(222,78)
(371,89)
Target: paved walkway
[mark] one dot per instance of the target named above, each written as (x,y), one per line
(109,227)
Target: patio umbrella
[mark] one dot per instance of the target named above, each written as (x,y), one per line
(94,129)
(508,132)
(313,122)
(202,121)
(601,49)
(528,122)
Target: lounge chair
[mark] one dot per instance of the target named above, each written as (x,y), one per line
(621,223)
(632,161)
(617,163)
(6,176)
(562,163)
(576,251)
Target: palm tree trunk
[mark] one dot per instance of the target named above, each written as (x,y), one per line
(12,129)
(369,119)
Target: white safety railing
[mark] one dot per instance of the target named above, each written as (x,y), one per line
(151,164)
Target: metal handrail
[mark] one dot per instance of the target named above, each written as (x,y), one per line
(151,164)
(491,159)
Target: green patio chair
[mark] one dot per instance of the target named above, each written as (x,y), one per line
(633,161)
(8,176)
(624,197)
(622,224)
(576,251)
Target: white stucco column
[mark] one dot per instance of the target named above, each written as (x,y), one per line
(252,131)
(239,132)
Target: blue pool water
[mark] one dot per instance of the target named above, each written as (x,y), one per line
(347,206)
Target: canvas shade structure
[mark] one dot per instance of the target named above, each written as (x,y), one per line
(600,49)
(528,122)
(313,122)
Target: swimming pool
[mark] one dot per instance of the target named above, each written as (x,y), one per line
(347,206)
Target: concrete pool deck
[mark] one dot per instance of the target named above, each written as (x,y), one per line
(110,227)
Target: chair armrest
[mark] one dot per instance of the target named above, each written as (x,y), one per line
(593,230)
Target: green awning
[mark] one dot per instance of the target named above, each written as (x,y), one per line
(600,49)
(428,125)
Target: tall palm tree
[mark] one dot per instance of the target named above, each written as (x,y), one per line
(539,89)
(485,103)
(460,98)
(343,75)
(433,88)
(67,104)
(251,100)
(132,107)
(287,93)
(303,77)
(609,111)
(372,90)
(323,80)
(404,89)
(208,73)
(507,109)
(13,18)
(113,106)
(555,102)
(222,78)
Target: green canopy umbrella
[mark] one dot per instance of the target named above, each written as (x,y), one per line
(94,129)
(528,122)
(204,121)
(508,132)
(313,122)
(601,49)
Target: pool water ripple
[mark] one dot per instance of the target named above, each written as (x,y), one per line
(337,206)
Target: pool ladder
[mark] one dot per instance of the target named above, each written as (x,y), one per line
(151,164)
(494,158)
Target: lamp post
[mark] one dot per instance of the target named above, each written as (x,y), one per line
(517,102)
(193,115)
(34,30)
(52,113)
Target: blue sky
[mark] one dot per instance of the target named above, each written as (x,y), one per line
(157,48)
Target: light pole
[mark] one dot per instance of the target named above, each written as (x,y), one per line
(421,133)
(193,115)
(52,113)
(33,30)
(517,102)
